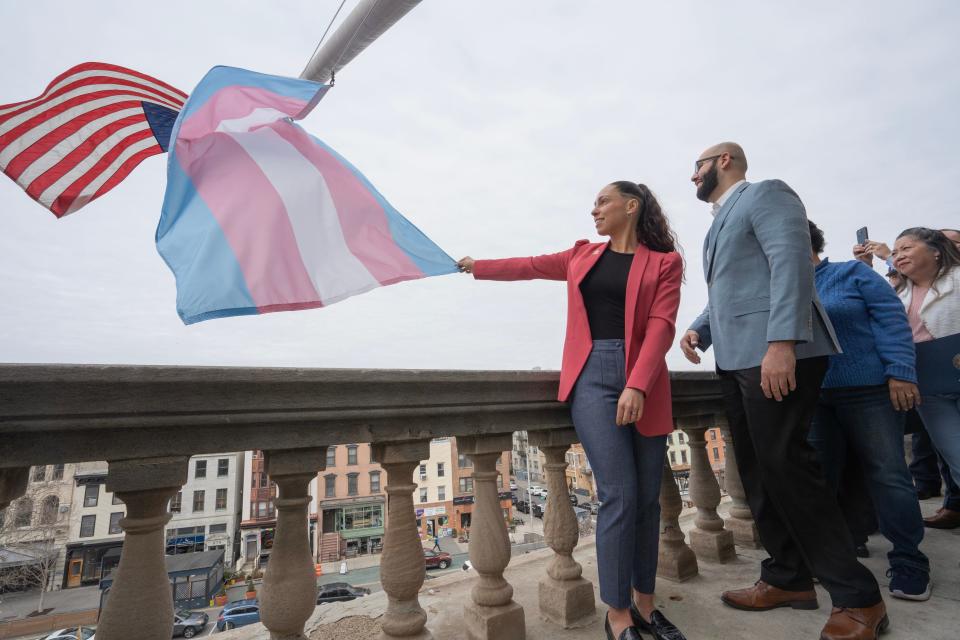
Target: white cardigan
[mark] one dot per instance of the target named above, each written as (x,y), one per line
(940,311)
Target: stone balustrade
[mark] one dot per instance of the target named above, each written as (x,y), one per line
(147,421)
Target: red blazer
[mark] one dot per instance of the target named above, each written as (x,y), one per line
(653,297)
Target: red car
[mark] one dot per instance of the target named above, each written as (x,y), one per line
(436,560)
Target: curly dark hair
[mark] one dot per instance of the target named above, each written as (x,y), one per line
(653,229)
(939,244)
(817,241)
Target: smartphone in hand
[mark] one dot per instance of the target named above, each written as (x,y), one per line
(862,236)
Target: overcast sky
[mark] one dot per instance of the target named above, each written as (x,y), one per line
(491,125)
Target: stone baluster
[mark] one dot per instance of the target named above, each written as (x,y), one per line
(402,570)
(13,484)
(566,598)
(676,561)
(740,522)
(289,592)
(708,538)
(140,596)
(492,614)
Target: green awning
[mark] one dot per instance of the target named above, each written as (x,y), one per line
(349,534)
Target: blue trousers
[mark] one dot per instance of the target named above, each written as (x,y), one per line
(941,417)
(627,467)
(863,419)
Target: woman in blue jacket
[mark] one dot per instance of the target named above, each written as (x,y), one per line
(866,393)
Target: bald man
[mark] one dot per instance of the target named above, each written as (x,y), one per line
(771,341)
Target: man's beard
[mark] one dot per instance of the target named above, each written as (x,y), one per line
(709,183)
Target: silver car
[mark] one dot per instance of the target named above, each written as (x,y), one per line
(189,623)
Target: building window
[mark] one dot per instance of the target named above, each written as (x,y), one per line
(198,498)
(87,526)
(223,467)
(716,453)
(330,485)
(57,472)
(218,528)
(713,434)
(91,494)
(221,501)
(463,461)
(423,471)
(115,522)
(115,499)
(440,470)
(331,456)
(441,493)
(673,457)
(680,438)
(683,456)
(351,454)
(352,489)
(499,482)
(48,510)
(175,502)
(374,482)
(40,473)
(466,485)
(24,513)
(263,480)
(423,494)
(363,517)
(264,509)
(200,469)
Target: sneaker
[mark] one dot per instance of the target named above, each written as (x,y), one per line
(908,583)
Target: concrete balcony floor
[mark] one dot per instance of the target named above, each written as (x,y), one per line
(693,605)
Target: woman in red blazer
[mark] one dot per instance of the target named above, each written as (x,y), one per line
(622,300)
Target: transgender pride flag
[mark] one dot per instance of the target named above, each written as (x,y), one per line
(259,216)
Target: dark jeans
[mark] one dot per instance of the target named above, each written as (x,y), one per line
(627,467)
(928,468)
(863,420)
(800,524)
(854,500)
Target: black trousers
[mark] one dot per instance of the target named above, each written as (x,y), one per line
(800,523)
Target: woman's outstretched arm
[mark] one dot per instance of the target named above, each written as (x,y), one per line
(552,266)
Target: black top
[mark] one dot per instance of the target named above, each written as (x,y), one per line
(604,292)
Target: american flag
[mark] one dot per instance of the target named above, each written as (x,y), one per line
(85,133)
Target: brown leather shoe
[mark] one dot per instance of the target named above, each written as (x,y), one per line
(856,624)
(943,519)
(763,597)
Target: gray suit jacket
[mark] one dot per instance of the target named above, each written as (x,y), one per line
(756,259)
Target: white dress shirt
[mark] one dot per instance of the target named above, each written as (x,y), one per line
(726,196)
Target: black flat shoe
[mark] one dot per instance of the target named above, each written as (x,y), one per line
(659,627)
(630,633)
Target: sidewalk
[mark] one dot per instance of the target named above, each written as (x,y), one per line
(22,604)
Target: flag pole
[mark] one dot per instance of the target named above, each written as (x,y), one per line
(367,22)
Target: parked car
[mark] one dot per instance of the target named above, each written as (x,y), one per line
(538,510)
(238,614)
(188,623)
(522,506)
(340,592)
(73,633)
(436,559)
(535,490)
(513,486)
(543,492)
